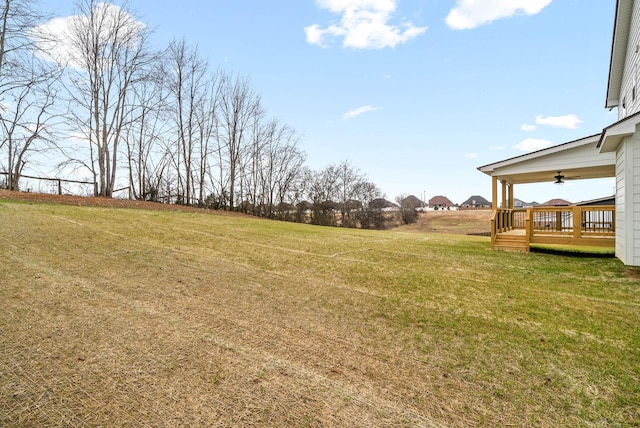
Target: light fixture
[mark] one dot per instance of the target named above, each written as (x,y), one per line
(559,178)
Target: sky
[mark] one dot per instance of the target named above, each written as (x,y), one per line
(416,94)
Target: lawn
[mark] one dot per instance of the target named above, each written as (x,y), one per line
(134,317)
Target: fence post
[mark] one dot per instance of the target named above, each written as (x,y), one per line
(59,187)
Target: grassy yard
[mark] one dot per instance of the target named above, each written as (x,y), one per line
(131,317)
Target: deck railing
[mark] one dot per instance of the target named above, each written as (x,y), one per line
(574,225)
(505,220)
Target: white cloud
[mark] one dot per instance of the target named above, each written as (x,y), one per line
(471,155)
(357,112)
(468,14)
(527,127)
(364,25)
(532,144)
(57,41)
(497,148)
(570,121)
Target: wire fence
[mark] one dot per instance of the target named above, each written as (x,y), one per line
(59,186)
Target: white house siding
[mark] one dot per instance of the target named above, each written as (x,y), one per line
(628,201)
(635,201)
(628,152)
(630,103)
(620,204)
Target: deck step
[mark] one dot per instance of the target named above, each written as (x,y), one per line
(511,242)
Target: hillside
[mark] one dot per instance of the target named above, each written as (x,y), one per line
(442,221)
(451,221)
(144,317)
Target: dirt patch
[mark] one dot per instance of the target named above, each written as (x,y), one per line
(463,222)
(90,201)
(632,272)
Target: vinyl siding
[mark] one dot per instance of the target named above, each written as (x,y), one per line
(628,201)
(630,104)
(620,204)
(634,201)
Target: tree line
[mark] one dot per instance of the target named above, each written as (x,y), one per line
(103,101)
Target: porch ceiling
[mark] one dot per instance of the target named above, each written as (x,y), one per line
(575,160)
(548,175)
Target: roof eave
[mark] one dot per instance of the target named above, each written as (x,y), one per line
(620,40)
(489,168)
(613,134)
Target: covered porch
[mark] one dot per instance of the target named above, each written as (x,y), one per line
(585,225)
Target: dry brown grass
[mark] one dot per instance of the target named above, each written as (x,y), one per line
(144,318)
(450,221)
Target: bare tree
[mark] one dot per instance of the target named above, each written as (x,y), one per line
(145,138)
(17,19)
(253,192)
(27,89)
(285,166)
(238,107)
(276,164)
(322,191)
(27,121)
(207,131)
(189,89)
(347,180)
(112,55)
(368,216)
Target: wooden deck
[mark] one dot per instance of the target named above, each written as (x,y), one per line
(517,229)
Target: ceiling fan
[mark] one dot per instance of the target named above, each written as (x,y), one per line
(560,178)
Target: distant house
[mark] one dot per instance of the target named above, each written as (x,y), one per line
(556,203)
(382,204)
(304,206)
(476,202)
(412,201)
(518,203)
(440,202)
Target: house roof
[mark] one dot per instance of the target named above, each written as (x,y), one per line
(613,134)
(576,159)
(440,200)
(476,200)
(380,203)
(621,30)
(556,203)
(520,203)
(607,200)
(412,201)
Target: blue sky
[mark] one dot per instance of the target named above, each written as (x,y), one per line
(415,93)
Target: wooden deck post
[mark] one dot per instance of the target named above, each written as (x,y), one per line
(510,205)
(528,224)
(511,196)
(494,193)
(494,207)
(577,222)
